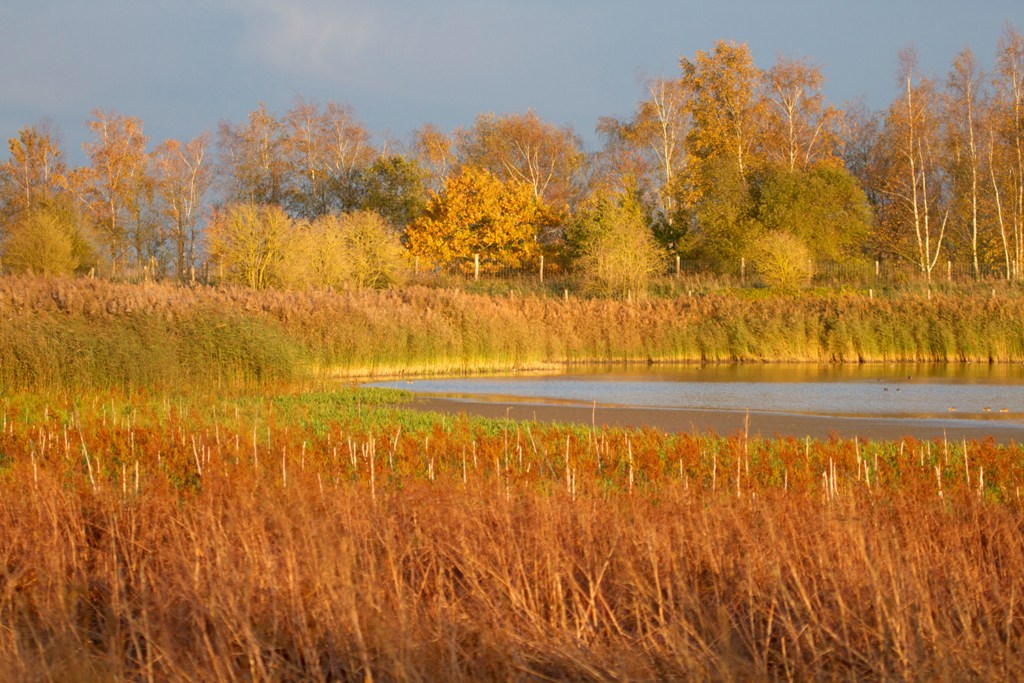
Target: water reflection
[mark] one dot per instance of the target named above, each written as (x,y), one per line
(947,391)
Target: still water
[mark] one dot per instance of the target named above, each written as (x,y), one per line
(960,392)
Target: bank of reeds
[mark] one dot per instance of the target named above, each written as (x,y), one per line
(312,538)
(93,333)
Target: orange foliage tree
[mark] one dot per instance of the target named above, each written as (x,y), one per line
(525,148)
(36,169)
(117,188)
(726,107)
(476,213)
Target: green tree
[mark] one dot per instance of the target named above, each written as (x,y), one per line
(393,186)
(825,208)
(613,247)
(726,224)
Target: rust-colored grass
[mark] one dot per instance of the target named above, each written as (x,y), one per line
(310,538)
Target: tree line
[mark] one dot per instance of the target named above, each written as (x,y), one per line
(722,161)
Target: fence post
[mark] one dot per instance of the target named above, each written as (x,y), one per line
(476,266)
(877,269)
(743,271)
(678,265)
(542,268)
(949,271)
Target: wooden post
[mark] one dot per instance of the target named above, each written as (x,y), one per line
(877,269)
(476,266)
(743,271)
(565,294)
(949,271)
(542,268)
(678,265)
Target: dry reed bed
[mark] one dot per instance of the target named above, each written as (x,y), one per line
(273,544)
(161,334)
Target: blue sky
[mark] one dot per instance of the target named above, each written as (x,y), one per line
(184,65)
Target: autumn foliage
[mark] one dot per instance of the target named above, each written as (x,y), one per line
(476,213)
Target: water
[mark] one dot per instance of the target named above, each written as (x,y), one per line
(962,392)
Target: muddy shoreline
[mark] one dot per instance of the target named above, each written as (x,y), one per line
(723,422)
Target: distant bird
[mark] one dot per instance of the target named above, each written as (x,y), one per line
(987,409)
(886,389)
(1004,410)
(952,409)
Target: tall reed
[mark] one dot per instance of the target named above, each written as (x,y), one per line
(310,538)
(82,332)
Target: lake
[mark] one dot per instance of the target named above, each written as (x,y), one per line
(926,399)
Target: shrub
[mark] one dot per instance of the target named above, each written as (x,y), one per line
(46,241)
(248,242)
(782,260)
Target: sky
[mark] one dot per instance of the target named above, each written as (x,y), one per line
(183,66)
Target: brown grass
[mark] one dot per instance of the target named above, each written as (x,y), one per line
(144,544)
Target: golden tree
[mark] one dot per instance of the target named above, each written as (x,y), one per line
(648,152)
(45,240)
(357,249)
(477,213)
